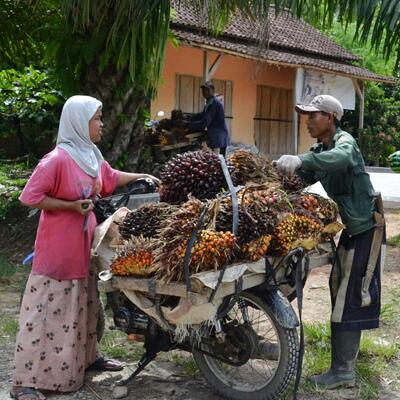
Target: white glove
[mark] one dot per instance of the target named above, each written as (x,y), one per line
(288,164)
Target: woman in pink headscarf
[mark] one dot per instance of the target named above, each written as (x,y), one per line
(57,339)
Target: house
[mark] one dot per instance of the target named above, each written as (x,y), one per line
(258,83)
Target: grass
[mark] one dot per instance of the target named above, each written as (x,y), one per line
(187,363)
(6,268)
(115,344)
(8,329)
(375,355)
(394,241)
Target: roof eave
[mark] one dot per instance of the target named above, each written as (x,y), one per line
(378,78)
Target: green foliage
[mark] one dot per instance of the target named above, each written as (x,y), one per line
(13,178)
(373,359)
(24,30)
(187,363)
(8,329)
(371,59)
(381,134)
(394,241)
(29,107)
(377,22)
(115,344)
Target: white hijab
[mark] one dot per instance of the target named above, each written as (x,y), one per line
(73,133)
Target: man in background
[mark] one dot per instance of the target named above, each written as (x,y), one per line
(211,119)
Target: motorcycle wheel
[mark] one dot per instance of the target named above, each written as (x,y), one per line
(262,377)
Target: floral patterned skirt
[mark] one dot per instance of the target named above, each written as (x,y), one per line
(57,337)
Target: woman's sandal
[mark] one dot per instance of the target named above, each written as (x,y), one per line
(26,393)
(105,364)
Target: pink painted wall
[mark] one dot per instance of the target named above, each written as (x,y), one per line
(244,73)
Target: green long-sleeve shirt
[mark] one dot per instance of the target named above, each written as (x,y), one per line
(341,170)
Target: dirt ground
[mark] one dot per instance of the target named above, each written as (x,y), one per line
(164,378)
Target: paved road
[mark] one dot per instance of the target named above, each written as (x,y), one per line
(386,183)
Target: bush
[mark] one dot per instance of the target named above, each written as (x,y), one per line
(13,177)
(30,107)
(381,134)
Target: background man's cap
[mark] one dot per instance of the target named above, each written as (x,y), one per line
(323,102)
(207,84)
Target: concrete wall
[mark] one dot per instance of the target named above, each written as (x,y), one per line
(245,75)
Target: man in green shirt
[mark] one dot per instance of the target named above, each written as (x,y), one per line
(336,161)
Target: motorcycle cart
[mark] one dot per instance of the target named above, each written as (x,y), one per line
(238,323)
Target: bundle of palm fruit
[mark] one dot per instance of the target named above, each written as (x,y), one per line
(196,172)
(211,250)
(322,208)
(255,249)
(135,258)
(144,220)
(292,184)
(250,167)
(258,208)
(295,230)
(274,217)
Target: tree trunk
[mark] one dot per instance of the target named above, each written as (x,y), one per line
(123,132)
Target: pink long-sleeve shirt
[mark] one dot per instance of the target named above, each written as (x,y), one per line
(62,246)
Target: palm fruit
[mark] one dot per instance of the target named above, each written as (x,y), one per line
(144,220)
(292,230)
(292,184)
(135,258)
(174,230)
(327,210)
(195,172)
(308,202)
(258,210)
(211,251)
(256,249)
(249,167)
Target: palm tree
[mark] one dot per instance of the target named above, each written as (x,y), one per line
(115,49)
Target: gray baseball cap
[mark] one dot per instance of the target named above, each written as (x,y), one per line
(322,102)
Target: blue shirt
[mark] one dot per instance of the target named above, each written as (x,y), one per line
(213,118)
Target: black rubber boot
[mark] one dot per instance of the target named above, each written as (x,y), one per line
(345,347)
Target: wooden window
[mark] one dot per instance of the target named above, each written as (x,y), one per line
(273,123)
(189,98)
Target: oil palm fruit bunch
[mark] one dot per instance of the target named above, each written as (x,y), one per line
(176,228)
(135,258)
(144,220)
(248,227)
(256,249)
(258,210)
(308,202)
(211,251)
(292,184)
(295,230)
(196,172)
(163,139)
(249,167)
(327,210)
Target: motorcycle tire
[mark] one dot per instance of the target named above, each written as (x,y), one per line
(284,374)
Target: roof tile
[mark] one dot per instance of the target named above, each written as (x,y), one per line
(284,30)
(241,47)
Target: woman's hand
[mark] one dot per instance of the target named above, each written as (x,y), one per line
(82,206)
(128,177)
(153,178)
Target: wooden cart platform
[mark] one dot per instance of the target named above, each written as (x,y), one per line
(200,292)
